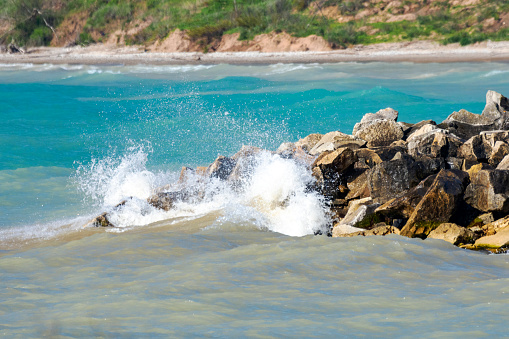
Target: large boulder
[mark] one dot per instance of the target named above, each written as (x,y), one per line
(308,142)
(494,117)
(403,206)
(497,240)
(453,234)
(221,168)
(390,179)
(489,191)
(475,149)
(329,166)
(358,210)
(334,140)
(433,142)
(438,204)
(379,132)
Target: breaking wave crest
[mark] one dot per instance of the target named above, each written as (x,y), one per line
(274,195)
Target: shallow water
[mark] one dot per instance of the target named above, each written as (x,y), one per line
(76,140)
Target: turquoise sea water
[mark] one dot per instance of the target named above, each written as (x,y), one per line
(76,140)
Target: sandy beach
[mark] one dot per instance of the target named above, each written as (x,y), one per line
(419,52)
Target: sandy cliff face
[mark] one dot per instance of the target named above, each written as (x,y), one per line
(179,41)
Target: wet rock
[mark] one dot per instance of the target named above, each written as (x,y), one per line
(380,231)
(101,221)
(341,230)
(358,210)
(392,178)
(453,234)
(221,168)
(497,240)
(438,204)
(489,191)
(309,141)
(358,188)
(403,206)
(166,200)
(286,150)
(245,163)
(334,140)
(379,132)
(329,166)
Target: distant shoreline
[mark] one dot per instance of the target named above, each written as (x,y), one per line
(418,52)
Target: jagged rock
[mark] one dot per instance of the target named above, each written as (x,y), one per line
(504,163)
(334,140)
(496,109)
(497,240)
(245,162)
(411,128)
(358,188)
(221,168)
(495,226)
(390,179)
(379,132)
(101,221)
(358,210)
(383,114)
(472,171)
(286,150)
(494,116)
(340,230)
(499,151)
(380,230)
(328,167)
(453,234)
(425,129)
(438,204)
(453,163)
(475,149)
(402,207)
(309,141)
(368,157)
(435,143)
(489,191)
(466,124)
(166,200)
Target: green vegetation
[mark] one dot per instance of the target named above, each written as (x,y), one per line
(205,21)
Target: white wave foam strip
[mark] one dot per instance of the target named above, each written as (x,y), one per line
(275,197)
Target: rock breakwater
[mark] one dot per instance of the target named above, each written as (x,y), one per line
(446,180)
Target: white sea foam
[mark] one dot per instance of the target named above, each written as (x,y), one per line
(275,196)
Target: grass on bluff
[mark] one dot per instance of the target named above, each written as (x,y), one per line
(205,21)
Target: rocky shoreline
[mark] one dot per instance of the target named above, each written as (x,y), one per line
(446,181)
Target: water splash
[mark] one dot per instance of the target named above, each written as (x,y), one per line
(274,195)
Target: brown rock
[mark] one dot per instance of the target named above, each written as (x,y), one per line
(380,231)
(328,167)
(438,204)
(504,163)
(334,140)
(497,240)
(379,132)
(453,234)
(499,151)
(221,168)
(402,207)
(489,191)
(309,141)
